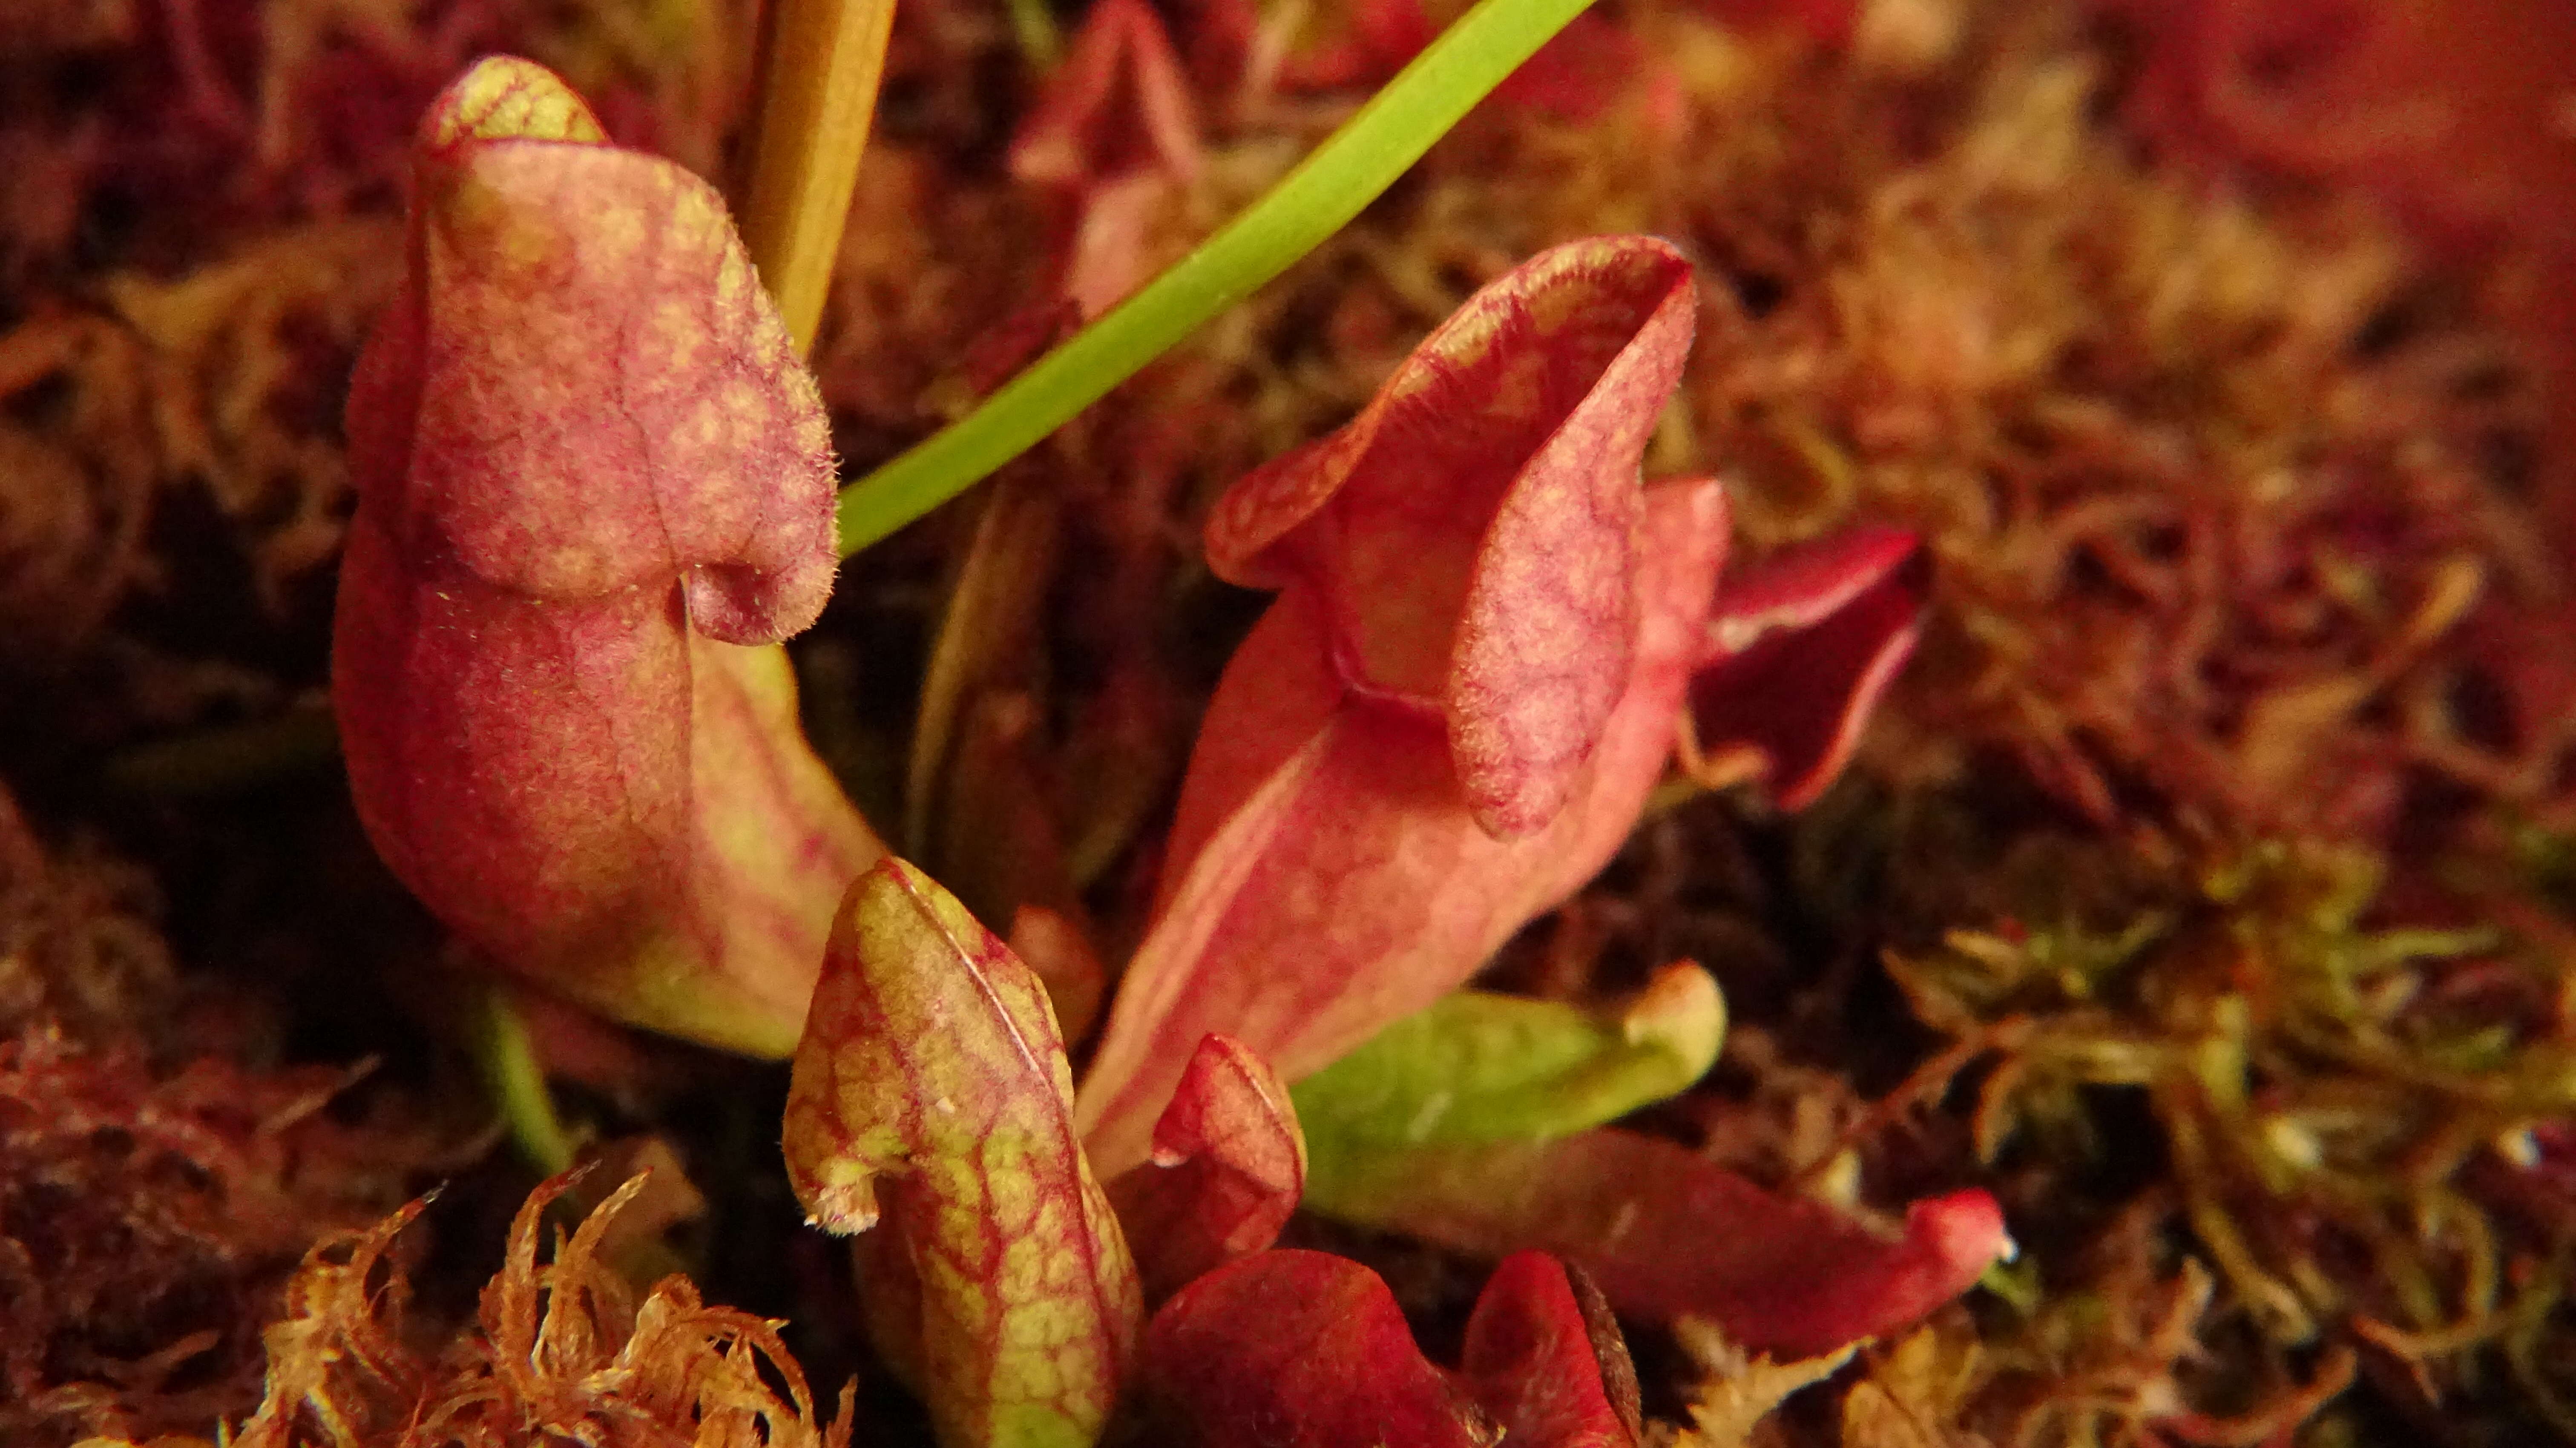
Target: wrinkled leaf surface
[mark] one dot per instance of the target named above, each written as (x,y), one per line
(594,483)
(931,1090)
(1454,710)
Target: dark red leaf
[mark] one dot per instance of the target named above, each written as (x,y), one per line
(1668,1234)
(1297,1350)
(1799,651)
(1229,1165)
(1548,1372)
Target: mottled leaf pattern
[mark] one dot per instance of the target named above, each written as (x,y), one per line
(1453,712)
(591,475)
(931,1091)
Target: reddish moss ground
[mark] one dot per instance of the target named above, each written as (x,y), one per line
(2204,890)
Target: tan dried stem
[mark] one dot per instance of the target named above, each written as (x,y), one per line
(821,64)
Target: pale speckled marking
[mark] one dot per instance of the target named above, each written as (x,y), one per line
(506,98)
(931,1055)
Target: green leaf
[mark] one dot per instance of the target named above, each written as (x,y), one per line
(1480,1067)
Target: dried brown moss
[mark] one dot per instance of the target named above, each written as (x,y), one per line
(2205,539)
(154,1196)
(562,1351)
(79,950)
(77,473)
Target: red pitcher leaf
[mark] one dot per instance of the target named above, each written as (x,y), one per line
(1117,103)
(1291,1349)
(1327,872)
(931,1088)
(1444,724)
(582,387)
(1229,1165)
(1115,137)
(1547,1366)
(1474,530)
(584,453)
(1799,651)
(1669,1234)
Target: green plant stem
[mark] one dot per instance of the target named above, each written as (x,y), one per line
(228,759)
(1344,174)
(508,1062)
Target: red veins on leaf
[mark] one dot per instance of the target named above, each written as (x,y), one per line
(931,1089)
(1290,1349)
(1228,1167)
(592,479)
(1798,653)
(1453,713)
